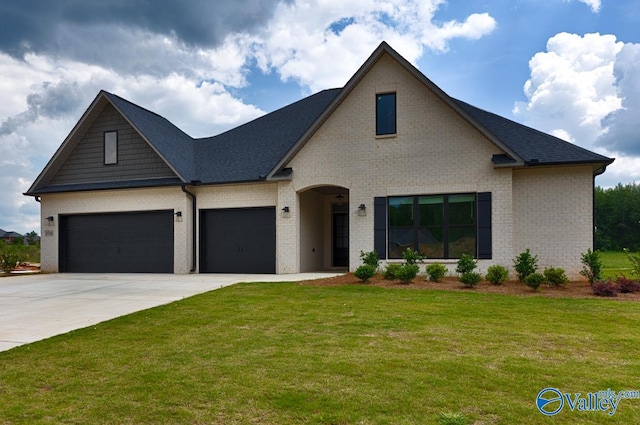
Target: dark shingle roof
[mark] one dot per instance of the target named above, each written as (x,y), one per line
(251,151)
(533,146)
(4,234)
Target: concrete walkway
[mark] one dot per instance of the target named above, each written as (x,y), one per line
(36,307)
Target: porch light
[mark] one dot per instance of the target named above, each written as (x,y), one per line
(286,213)
(362,210)
(339,200)
(50,220)
(178,215)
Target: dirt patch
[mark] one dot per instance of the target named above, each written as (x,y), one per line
(577,289)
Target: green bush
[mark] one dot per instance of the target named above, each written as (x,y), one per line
(412,257)
(448,418)
(470,279)
(591,266)
(497,274)
(365,272)
(407,272)
(635,263)
(436,271)
(10,257)
(555,276)
(391,271)
(466,264)
(534,280)
(370,259)
(525,264)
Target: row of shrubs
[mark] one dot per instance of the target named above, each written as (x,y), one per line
(525,266)
(13,255)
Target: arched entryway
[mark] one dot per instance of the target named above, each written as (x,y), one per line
(324,228)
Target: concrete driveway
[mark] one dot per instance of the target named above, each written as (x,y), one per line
(36,307)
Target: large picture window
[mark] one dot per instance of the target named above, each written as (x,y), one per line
(385,114)
(438,226)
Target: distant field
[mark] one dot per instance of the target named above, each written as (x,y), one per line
(615,263)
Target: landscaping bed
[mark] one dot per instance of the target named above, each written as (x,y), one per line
(572,289)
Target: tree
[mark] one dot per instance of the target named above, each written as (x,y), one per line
(617,217)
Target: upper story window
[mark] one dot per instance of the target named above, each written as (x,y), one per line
(110,147)
(385,114)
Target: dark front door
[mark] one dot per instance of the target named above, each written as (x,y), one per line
(238,240)
(137,242)
(340,240)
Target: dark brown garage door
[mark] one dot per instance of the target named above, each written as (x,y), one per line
(238,240)
(139,242)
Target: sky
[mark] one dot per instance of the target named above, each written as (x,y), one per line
(570,68)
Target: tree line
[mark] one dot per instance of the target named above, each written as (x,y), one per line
(617,217)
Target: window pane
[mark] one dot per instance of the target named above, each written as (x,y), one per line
(399,240)
(111,147)
(431,242)
(462,209)
(386,113)
(462,240)
(401,211)
(431,210)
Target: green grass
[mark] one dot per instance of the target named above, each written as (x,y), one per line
(616,263)
(284,353)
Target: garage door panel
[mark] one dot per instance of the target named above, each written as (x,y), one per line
(238,240)
(140,242)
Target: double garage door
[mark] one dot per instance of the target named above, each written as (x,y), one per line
(238,240)
(138,242)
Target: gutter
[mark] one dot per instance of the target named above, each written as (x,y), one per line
(193,218)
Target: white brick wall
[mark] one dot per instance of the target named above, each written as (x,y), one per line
(553,215)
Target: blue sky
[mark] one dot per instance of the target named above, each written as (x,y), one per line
(567,67)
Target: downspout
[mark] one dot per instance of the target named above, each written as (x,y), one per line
(593,205)
(194,233)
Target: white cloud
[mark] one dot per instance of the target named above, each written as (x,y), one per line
(595,5)
(587,90)
(572,87)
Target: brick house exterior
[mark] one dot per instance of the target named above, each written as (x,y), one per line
(389,161)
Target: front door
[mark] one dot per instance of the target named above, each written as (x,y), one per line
(341,239)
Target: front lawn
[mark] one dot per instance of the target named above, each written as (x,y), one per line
(285,353)
(616,263)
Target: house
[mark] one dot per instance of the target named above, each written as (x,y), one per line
(8,237)
(389,161)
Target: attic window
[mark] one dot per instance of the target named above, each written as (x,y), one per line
(385,114)
(110,147)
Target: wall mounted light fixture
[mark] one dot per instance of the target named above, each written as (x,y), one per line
(178,215)
(50,220)
(286,212)
(362,210)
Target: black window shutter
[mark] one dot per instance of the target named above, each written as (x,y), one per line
(484,225)
(380,226)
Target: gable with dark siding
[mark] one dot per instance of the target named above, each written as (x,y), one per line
(136,159)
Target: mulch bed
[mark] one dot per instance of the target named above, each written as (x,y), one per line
(574,289)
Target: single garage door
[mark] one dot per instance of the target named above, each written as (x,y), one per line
(238,240)
(138,242)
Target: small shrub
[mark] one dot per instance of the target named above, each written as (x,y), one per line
(470,279)
(10,257)
(370,258)
(412,257)
(447,418)
(407,272)
(604,288)
(635,263)
(497,274)
(436,272)
(391,271)
(534,280)
(525,264)
(555,276)
(466,264)
(591,266)
(627,286)
(365,272)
